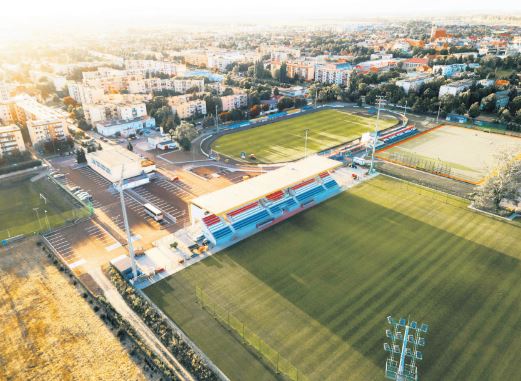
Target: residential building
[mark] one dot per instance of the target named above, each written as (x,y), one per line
(300,69)
(235,101)
(454,88)
(111,80)
(84,94)
(333,74)
(413,64)
(124,127)
(151,67)
(11,139)
(413,83)
(5,90)
(190,108)
(5,113)
(43,123)
(183,85)
(451,70)
(114,110)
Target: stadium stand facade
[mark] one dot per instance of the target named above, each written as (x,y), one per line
(240,210)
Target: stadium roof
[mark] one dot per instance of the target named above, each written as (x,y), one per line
(236,195)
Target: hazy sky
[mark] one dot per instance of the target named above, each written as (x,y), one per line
(24,13)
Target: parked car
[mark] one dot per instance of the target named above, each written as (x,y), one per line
(58,176)
(73,189)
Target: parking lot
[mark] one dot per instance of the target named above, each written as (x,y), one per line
(85,245)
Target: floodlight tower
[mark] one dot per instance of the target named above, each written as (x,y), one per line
(404,332)
(127,228)
(371,168)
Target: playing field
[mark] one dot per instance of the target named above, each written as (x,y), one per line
(284,140)
(18,201)
(319,286)
(457,152)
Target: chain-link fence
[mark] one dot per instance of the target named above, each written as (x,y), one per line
(271,356)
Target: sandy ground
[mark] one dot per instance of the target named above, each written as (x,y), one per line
(48,330)
(471,154)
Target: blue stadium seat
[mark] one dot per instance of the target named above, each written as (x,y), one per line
(251,220)
(310,193)
(222,232)
(331,184)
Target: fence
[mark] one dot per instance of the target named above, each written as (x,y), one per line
(271,356)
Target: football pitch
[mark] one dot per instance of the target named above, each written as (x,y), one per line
(319,286)
(18,203)
(283,141)
(456,152)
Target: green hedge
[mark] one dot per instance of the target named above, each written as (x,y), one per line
(20,166)
(175,344)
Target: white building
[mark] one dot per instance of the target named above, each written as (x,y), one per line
(84,94)
(183,85)
(111,79)
(235,101)
(124,127)
(112,163)
(413,83)
(43,123)
(331,74)
(455,88)
(190,108)
(5,91)
(151,66)
(114,110)
(5,113)
(11,139)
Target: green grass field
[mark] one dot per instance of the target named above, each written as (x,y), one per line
(319,286)
(18,199)
(284,140)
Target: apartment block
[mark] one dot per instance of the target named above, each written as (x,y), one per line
(84,94)
(113,110)
(413,83)
(11,139)
(235,101)
(43,123)
(332,74)
(190,108)
(455,88)
(152,66)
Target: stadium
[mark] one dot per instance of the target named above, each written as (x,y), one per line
(285,140)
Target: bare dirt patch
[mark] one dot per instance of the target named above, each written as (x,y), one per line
(49,332)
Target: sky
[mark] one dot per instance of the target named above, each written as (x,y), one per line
(21,14)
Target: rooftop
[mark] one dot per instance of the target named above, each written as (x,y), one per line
(236,195)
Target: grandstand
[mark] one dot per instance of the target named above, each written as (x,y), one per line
(385,138)
(240,210)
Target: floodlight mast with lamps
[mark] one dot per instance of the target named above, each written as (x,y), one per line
(404,370)
(375,139)
(127,228)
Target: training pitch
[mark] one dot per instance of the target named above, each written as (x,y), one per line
(456,152)
(283,141)
(19,199)
(319,286)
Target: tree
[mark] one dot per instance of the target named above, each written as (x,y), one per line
(276,91)
(227,91)
(185,131)
(69,101)
(285,103)
(283,73)
(130,147)
(503,183)
(185,144)
(474,110)
(80,156)
(489,102)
